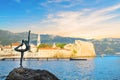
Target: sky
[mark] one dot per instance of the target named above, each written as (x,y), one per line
(71,18)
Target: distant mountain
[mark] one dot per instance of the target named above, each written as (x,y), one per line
(105,46)
(58,39)
(108,46)
(50,39)
(7,37)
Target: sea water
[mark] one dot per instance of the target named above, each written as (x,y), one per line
(99,68)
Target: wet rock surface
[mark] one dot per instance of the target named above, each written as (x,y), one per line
(30,74)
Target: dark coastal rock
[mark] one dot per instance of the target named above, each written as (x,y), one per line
(30,74)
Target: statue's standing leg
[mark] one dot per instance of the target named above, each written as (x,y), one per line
(22,53)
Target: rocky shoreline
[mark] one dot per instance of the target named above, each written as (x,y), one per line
(30,74)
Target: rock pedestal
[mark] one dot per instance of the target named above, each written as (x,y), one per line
(30,74)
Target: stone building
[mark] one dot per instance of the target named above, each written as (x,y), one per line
(81,49)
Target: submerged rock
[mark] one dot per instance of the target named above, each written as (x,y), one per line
(30,74)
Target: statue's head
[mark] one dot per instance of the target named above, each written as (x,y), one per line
(22,40)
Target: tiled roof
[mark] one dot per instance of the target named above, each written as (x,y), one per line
(53,49)
(15,44)
(48,49)
(7,47)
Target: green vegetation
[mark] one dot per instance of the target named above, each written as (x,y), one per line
(60,45)
(43,45)
(74,52)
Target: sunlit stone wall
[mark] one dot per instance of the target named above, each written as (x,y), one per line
(81,48)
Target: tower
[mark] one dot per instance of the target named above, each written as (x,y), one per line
(38,40)
(54,45)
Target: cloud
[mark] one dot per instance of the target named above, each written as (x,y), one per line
(83,23)
(61,3)
(68,3)
(18,1)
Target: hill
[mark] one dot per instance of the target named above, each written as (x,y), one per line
(107,46)
(7,37)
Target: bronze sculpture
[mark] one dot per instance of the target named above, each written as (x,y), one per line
(20,49)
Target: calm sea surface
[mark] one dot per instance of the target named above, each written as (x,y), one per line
(99,68)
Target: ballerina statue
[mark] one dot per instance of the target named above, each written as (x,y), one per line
(21,49)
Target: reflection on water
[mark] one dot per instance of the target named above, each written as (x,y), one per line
(106,68)
(85,68)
